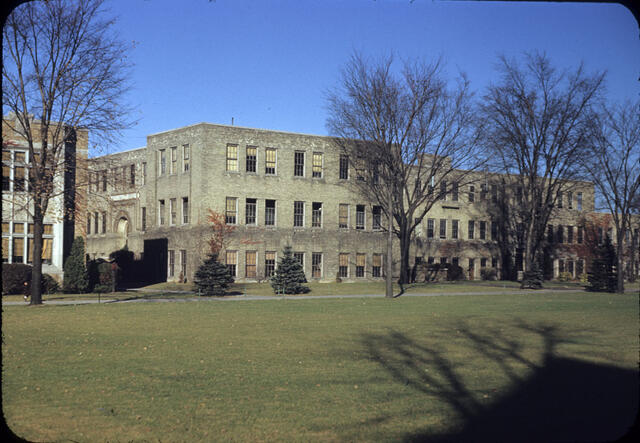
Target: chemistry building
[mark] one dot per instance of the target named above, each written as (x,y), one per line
(278,189)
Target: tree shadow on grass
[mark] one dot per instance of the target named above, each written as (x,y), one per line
(558,398)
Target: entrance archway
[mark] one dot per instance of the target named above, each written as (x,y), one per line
(123,231)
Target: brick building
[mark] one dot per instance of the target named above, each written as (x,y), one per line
(280,188)
(62,221)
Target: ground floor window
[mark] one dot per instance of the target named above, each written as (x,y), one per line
(343,265)
(316,265)
(172,263)
(250,264)
(183,263)
(376,266)
(231,259)
(360,264)
(269,263)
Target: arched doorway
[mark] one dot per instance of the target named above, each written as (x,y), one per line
(122,230)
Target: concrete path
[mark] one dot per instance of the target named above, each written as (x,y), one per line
(167,297)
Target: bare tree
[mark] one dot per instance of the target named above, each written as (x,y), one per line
(64,76)
(405,134)
(613,163)
(536,126)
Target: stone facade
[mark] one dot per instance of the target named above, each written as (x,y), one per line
(156,200)
(63,220)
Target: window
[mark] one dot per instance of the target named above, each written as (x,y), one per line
(316,264)
(96,223)
(299,256)
(232,158)
(360,222)
(144,175)
(580,234)
(454,191)
(360,264)
(88,223)
(494,193)
(270,161)
(231,211)
(570,200)
(494,230)
(471,229)
(494,262)
(483,230)
(343,215)
(162,167)
(104,222)
(185,210)
(231,260)
(570,267)
(298,214)
(172,211)
(186,157)
(250,264)
(183,263)
(483,262)
(550,236)
(483,192)
(472,194)
(455,261)
(250,211)
(454,229)
(143,218)
(443,260)
(6,177)
(104,181)
(161,213)
(132,176)
(270,212)
(579,201)
(579,267)
(298,164)
(569,234)
(317,165)
(18,178)
(443,228)
(174,160)
(376,265)
(443,190)
(560,234)
(316,215)
(430,227)
(172,262)
(251,159)
(18,250)
(376,217)
(343,265)
(344,167)
(559,199)
(269,263)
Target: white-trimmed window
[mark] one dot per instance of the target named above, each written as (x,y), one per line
(231,211)
(161,209)
(269,263)
(316,264)
(232,158)
(298,163)
(162,162)
(185,210)
(250,211)
(298,214)
(174,160)
(317,165)
(251,159)
(250,264)
(316,215)
(173,211)
(186,158)
(343,215)
(360,264)
(270,212)
(231,260)
(270,161)
(376,265)
(343,265)
(360,217)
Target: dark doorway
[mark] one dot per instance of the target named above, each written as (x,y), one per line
(155,260)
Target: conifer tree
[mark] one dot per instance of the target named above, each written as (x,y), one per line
(289,275)
(602,273)
(212,277)
(76,276)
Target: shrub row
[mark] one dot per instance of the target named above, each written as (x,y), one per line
(15,275)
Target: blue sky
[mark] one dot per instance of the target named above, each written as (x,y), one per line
(268,64)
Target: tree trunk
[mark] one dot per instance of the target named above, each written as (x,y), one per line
(36,271)
(620,260)
(405,245)
(389,263)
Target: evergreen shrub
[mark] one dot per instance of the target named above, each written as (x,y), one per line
(14,275)
(289,276)
(602,275)
(76,277)
(212,277)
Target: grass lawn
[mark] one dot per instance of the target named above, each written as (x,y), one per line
(544,366)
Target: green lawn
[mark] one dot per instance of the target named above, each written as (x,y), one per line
(320,370)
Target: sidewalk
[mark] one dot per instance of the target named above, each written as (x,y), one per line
(167,297)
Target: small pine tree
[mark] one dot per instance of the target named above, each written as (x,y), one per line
(212,277)
(76,277)
(289,275)
(602,276)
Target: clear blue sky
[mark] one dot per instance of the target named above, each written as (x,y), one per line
(268,64)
